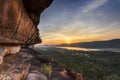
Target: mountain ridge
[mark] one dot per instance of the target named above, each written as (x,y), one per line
(113,43)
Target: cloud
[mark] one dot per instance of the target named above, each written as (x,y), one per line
(88,23)
(93,5)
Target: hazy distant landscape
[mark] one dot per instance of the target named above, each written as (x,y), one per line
(70,28)
(115,43)
(93,65)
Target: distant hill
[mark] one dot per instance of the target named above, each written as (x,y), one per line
(115,43)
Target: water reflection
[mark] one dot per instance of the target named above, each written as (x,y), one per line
(90,49)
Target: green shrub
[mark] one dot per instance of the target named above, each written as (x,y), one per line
(113,77)
(47,69)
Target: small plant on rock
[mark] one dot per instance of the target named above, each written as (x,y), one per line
(47,69)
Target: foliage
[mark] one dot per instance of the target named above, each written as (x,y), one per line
(113,77)
(94,65)
(47,69)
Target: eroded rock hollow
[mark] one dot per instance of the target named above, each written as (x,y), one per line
(19,20)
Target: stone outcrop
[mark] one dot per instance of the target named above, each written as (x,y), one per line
(18,24)
(8,50)
(29,65)
(19,20)
(18,27)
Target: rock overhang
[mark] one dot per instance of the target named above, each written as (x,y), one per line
(19,20)
(35,7)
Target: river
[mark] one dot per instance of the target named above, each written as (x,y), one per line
(80,49)
(91,49)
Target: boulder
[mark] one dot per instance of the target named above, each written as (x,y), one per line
(35,75)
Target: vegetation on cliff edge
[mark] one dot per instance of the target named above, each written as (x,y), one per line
(93,65)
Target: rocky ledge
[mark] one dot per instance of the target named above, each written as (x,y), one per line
(30,65)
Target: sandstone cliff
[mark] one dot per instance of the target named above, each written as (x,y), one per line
(30,65)
(18,28)
(19,20)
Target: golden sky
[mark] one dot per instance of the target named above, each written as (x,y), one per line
(71,21)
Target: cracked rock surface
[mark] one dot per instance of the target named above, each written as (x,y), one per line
(30,65)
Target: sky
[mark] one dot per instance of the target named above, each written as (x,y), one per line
(72,21)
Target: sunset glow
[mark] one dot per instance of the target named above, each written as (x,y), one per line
(71,21)
(68,41)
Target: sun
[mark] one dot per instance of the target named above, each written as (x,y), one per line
(68,41)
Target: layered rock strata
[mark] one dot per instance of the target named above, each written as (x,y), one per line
(18,24)
(19,20)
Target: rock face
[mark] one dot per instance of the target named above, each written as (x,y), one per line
(8,50)
(18,27)
(19,20)
(30,65)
